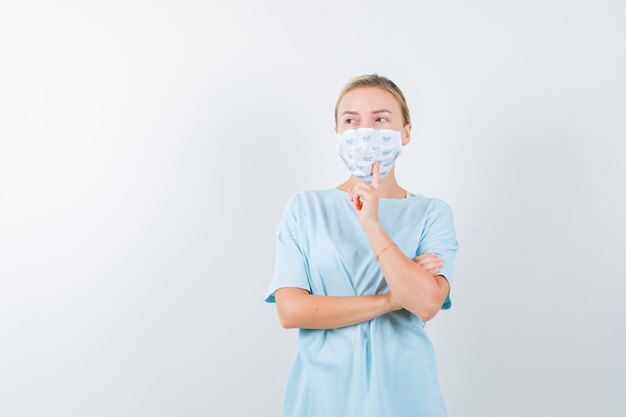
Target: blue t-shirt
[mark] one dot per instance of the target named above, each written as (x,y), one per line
(381,367)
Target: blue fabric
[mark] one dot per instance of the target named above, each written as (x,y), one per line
(381,367)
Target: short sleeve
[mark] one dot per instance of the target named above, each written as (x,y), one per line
(439,237)
(290,263)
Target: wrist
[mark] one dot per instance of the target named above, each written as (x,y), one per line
(388,302)
(371,226)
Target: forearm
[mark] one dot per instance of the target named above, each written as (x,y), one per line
(327,311)
(412,286)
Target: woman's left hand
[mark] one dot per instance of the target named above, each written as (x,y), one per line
(364,196)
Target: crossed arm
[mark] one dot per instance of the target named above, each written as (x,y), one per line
(411,285)
(297,308)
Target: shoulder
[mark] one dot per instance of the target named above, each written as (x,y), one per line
(437,208)
(434,203)
(300,200)
(296,200)
(290,216)
(303,201)
(440,205)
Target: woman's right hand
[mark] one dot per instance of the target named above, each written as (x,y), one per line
(429,261)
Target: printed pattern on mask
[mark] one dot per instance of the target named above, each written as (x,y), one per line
(358,148)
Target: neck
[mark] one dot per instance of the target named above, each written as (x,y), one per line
(388,187)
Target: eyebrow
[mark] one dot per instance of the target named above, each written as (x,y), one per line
(374,112)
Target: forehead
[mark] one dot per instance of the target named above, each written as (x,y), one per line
(367,99)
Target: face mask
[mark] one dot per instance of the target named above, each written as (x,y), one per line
(359,148)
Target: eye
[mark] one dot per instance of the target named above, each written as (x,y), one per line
(348,120)
(382,118)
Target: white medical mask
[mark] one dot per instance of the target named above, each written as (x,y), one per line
(359,148)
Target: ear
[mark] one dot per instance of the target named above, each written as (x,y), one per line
(406,135)
(407,130)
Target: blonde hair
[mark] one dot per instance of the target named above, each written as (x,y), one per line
(375,80)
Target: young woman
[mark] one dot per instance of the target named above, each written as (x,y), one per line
(360,268)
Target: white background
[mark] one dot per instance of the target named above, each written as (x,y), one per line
(148,148)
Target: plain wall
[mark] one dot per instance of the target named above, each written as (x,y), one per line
(148,148)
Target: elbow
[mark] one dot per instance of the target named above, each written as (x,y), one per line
(432,310)
(289,306)
(422,303)
(286,322)
(428,314)
(287,315)
(423,312)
